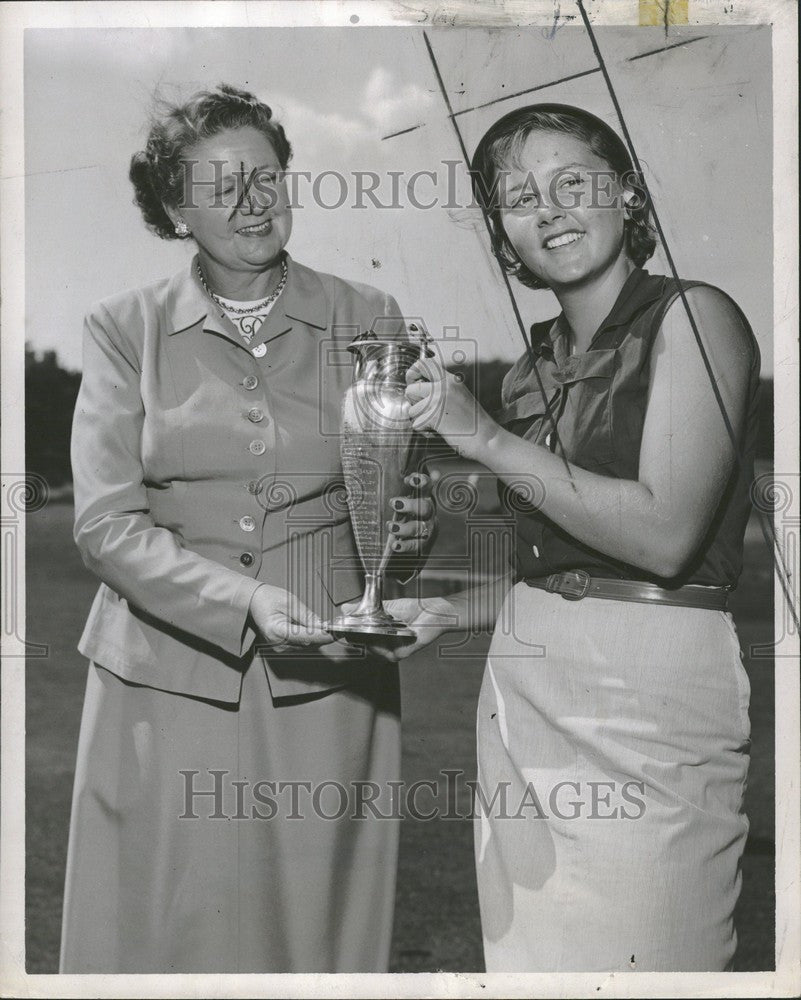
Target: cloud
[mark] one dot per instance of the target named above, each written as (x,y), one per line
(322,138)
(319,138)
(387,106)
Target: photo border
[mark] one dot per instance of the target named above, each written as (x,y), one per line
(14,19)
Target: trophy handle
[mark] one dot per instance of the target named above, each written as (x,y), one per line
(416,455)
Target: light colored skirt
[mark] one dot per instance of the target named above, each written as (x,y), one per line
(619,735)
(163,878)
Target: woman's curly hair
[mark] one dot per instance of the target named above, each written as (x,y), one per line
(505,139)
(157,172)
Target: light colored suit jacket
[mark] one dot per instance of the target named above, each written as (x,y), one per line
(202,470)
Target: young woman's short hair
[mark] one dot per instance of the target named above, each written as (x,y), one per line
(504,141)
(157,173)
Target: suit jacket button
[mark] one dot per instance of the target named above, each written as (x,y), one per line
(247,523)
(246,558)
(255,415)
(250,382)
(257,447)
(259,350)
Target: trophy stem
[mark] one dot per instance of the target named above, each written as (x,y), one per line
(373,597)
(370,617)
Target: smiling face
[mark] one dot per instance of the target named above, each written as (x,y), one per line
(563,210)
(235,203)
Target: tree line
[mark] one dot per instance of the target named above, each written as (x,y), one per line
(51,391)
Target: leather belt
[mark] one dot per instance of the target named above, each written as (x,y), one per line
(575,585)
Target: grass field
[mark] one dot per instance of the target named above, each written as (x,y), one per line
(436,925)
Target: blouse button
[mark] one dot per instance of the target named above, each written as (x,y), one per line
(257,447)
(246,558)
(250,382)
(247,523)
(259,350)
(536,551)
(254,486)
(255,415)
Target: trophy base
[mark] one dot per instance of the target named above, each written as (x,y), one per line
(359,628)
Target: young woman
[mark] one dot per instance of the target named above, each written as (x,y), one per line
(613,715)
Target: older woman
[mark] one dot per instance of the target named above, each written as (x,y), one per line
(613,728)
(229,749)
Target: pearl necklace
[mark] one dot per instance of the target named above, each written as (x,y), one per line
(253,308)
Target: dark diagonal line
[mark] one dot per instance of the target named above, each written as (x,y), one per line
(403,131)
(767,528)
(529,90)
(664,48)
(44,173)
(551,83)
(242,194)
(505,276)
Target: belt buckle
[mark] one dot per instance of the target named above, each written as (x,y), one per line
(573,585)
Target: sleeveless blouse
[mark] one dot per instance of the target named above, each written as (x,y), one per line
(598,399)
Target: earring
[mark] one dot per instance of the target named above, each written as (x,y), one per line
(181,229)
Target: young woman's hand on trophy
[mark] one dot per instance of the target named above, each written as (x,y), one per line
(412,527)
(427,617)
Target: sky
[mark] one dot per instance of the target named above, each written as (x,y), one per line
(700,115)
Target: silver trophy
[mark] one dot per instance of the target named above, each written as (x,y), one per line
(377,450)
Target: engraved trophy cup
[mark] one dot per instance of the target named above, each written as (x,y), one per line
(377,447)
